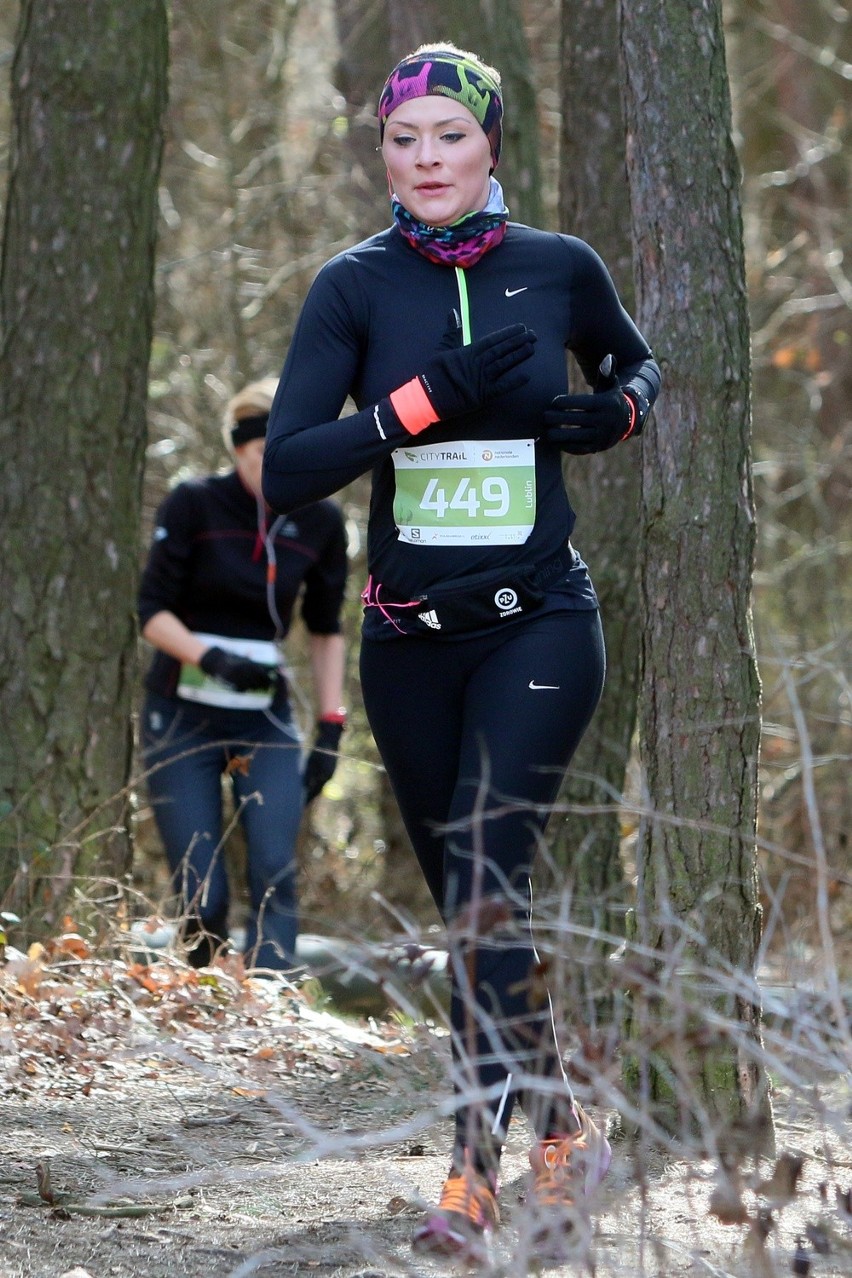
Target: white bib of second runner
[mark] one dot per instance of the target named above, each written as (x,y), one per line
(195,685)
(465,493)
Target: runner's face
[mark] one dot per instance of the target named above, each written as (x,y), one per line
(248,459)
(438,159)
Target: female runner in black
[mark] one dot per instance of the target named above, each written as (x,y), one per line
(482,656)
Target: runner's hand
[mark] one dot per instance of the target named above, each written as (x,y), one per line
(238,672)
(322,760)
(583,424)
(463,379)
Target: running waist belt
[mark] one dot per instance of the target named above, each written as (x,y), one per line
(480,600)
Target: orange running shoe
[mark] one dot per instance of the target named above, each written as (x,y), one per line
(565,1170)
(466,1214)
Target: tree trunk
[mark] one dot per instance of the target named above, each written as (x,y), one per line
(494,29)
(698,907)
(372,38)
(76,304)
(593,204)
(364,33)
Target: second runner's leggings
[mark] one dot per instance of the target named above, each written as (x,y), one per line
(476,735)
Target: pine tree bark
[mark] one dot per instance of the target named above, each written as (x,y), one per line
(594,204)
(372,38)
(364,33)
(88,90)
(500,38)
(698,908)
(494,29)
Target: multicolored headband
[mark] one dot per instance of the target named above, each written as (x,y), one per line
(455,75)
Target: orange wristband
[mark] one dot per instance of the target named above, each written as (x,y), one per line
(413,406)
(633,414)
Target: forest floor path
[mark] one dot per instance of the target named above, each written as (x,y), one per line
(157,1122)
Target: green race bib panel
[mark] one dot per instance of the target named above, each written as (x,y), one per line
(465,493)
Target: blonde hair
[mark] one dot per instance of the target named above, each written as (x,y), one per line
(251,401)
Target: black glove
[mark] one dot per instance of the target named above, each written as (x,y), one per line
(583,424)
(462,379)
(238,672)
(323,758)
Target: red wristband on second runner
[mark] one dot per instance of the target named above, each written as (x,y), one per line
(413,406)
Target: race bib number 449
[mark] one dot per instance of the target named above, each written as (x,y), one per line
(466,493)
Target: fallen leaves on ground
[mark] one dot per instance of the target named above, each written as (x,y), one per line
(68,1013)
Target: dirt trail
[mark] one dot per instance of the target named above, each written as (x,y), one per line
(219,1127)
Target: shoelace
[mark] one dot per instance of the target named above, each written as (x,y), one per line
(470,1198)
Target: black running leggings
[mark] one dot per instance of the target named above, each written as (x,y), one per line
(476,735)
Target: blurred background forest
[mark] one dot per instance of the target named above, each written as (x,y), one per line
(270,167)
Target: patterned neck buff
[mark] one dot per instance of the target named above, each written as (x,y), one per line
(462,242)
(454,74)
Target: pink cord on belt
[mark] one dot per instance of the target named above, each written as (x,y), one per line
(370,599)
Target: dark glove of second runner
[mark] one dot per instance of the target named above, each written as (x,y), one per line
(460,380)
(582,424)
(238,672)
(322,760)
